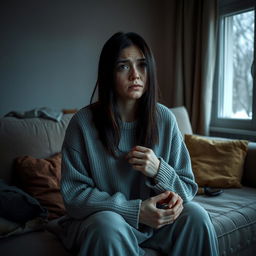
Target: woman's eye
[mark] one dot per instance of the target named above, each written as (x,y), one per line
(143,65)
(123,67)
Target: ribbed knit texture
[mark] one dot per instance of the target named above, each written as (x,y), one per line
(94,181)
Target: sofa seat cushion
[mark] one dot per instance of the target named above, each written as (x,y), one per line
(233,215)
(40,243)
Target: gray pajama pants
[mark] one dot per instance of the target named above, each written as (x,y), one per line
(107,234)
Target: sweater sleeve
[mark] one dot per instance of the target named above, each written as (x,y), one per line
(175,173)
(80,195)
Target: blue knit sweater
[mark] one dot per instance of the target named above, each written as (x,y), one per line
(94,181)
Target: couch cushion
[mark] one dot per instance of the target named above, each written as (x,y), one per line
(35,137)
(234,217)
(217,163)
(41,179)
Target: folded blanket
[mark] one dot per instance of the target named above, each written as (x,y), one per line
(18,206)
(44,112)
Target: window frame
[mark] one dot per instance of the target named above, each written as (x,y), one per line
(227,127)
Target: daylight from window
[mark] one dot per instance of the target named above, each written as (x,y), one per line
(237,85)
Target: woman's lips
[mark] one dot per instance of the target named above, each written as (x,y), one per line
(135,86)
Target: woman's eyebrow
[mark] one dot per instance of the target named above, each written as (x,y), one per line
(141,59)
(128,60)
(122,61)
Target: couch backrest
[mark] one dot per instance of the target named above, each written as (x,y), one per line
(42,138)
(36,137)
(182,119)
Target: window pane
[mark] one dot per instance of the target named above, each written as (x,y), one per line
(237,86)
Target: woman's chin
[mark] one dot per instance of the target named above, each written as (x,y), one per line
(135,95)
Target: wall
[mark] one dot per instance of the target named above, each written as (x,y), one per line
(49,50)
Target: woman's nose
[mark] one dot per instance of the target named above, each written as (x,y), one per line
(134,73)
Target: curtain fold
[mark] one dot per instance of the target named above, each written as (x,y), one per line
(194,45)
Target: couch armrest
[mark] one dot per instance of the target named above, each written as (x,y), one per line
(249,176)
(182,118)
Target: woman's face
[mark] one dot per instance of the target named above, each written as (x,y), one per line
(130,74)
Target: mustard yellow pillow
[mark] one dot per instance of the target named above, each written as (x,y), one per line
(217,163)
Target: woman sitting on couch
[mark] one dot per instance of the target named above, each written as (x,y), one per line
(127,181)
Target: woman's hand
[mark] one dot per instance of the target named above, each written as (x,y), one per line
(151,216)
(144,160)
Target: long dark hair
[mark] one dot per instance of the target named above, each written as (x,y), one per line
(105,111)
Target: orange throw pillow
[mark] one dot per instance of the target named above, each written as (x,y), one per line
(41,179)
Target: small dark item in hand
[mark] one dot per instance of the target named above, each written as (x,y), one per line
(162,205)
(212,191)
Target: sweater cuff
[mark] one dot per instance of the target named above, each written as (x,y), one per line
(131,212)
(164,175)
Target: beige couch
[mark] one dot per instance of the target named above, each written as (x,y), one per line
(233,212)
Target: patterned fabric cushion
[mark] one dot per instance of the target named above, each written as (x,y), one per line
(234,217)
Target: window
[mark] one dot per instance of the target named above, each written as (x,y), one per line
(234,98)
(237,82)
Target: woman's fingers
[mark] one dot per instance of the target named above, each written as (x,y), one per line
(140,152)
(141,149)
(135,154)
(178,212)
(170,214)
(157,218)
(160,197)
(144,159)
(173,200)
(138,161)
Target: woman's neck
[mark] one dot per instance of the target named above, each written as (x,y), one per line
(127,111)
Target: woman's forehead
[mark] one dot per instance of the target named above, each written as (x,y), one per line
(131,52)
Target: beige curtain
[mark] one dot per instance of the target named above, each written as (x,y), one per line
(193,42)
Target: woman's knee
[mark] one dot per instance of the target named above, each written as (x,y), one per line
(106,232)
(196,214)
(106,224)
